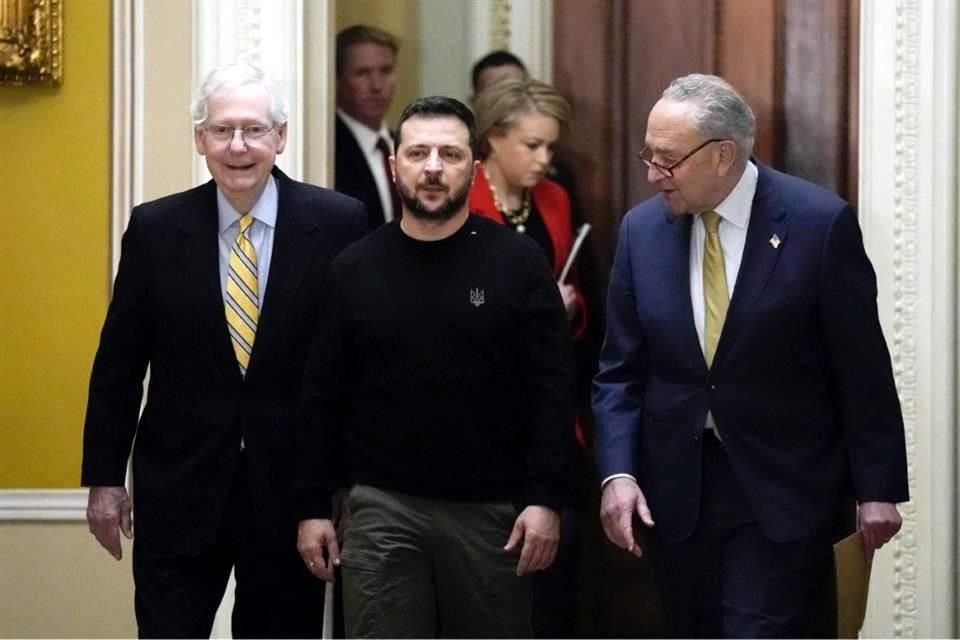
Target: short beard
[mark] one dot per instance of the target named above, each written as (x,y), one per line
(450,208)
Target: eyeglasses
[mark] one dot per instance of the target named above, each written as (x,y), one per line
(646,156)
(225,133)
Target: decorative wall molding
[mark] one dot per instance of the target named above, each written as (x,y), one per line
(69,505)
(908,210)
(524,27)
(126,118)
(473,29)
(318,92)
(500,24)
(903,345)
(531,35)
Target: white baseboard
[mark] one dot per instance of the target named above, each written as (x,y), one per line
(43,504)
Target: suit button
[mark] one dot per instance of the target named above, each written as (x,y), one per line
(696,438)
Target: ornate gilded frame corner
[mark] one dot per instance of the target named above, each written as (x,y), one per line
(31,42)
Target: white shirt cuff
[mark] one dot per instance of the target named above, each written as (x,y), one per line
(614,477)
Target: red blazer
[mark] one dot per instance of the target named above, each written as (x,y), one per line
(553,204)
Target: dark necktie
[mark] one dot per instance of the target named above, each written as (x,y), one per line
(384,148)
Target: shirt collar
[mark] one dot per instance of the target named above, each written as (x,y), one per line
(735,208)
(366,137)
(265,209)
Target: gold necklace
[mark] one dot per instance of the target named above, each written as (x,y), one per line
(517,219)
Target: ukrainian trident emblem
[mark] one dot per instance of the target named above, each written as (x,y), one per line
(476,297)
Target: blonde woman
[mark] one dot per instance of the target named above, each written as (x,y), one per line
(519,122)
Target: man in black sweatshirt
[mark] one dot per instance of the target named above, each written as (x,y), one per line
(440,390)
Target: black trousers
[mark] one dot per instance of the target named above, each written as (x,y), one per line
(729,580)
(276,597)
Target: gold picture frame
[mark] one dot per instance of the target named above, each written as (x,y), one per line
(31,42)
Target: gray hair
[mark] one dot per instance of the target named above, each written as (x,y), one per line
(722,112)
(232,76)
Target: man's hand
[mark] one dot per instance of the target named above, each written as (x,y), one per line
(621,499)
(317,544)
(108,513)
(539,528)
(879,521)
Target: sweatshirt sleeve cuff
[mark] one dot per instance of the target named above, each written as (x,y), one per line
(545,494)
(309,503)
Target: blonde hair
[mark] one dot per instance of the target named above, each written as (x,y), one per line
(498,106)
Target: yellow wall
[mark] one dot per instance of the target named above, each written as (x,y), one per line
(399,17)
(54,190)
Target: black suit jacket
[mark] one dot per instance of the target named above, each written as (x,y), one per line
(801,386)
(352,174)
(167,312)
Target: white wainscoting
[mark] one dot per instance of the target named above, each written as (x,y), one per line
(63,505)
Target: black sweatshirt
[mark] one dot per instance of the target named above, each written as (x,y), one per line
(440,369)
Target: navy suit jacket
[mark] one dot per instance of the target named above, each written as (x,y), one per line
(167,312)
(801,387)
(352,174)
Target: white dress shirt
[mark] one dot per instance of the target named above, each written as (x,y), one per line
(734,219)
(261,234)
(734,213)
(367,139)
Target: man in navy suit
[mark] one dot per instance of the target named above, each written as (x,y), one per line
(737,425)
(366,80)
(213,448)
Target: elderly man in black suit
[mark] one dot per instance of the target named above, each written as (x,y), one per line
(217,292)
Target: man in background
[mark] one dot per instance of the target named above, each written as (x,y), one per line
(217,292)
(441,382)
(745,390)
(366,80)
(494,66)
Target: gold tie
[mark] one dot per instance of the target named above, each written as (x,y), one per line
(715,297)
(243,291)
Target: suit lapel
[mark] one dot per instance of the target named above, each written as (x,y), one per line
(199,257)
(353,175)
(293,251)
(678,282)
(760,255)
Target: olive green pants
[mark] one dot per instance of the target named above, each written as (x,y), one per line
(420,568)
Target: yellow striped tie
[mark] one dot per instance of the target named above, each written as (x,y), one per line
(243,292)
(715,297)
